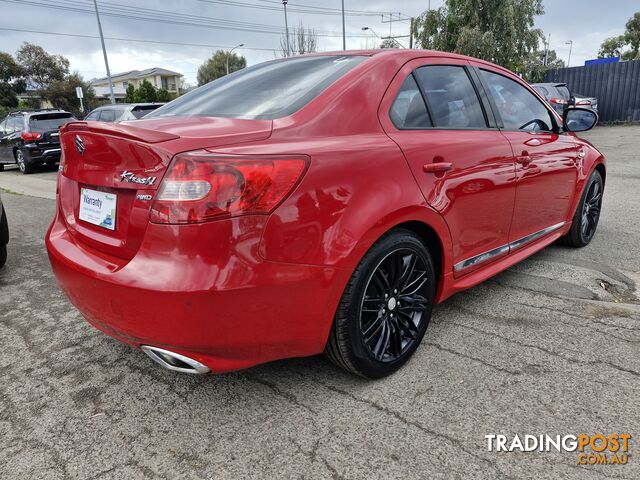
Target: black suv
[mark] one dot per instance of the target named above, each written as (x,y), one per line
(30,138)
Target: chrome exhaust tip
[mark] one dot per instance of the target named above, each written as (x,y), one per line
(174,361)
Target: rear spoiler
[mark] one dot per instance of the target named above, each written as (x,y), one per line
(118,130)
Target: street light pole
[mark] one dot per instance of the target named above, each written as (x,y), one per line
(229,54)
(104,53)
(570,43)
(286,26)
(344,36)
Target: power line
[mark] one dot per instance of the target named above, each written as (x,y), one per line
(172,18)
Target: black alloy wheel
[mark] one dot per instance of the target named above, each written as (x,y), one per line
(385,308)
(587,215)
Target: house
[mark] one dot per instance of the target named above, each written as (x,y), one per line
(158,77)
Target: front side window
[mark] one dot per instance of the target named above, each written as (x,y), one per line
(408,110)
(93,115)
(518,107)
(451,97)
(16,124)
(107,115)
(265,91)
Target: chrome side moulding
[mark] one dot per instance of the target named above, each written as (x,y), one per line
(510,247)
(174,361)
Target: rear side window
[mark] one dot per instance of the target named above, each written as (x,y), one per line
(93,115)
(49,121)
(15,124)
(265,91)
(408,109)
(518,107)
(108,115)
(541,90)
(139,112)
(451,97)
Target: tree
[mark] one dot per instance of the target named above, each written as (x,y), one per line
(216,66)
(40,67)
(632,37)
(129,95)
(163,96)
(611,47)
(62,93)
(538,63)
(497,30)
(302,40)
(11,81)
(145,93)
(388,43)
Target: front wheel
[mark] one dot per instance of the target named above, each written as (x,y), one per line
(587,215)
(385,308)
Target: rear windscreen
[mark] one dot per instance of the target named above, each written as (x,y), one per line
(140,112)
(49,121)
(564,92)
(265,91)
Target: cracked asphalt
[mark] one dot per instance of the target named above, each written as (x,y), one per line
(550,346)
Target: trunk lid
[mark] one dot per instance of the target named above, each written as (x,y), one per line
(128,160)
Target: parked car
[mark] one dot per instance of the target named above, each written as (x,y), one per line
(557,94)
(584,101)
(319,203)
(30,138)
(121,112)
(4,235)
(561,98)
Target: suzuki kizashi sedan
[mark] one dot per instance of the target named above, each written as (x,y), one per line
(322,203)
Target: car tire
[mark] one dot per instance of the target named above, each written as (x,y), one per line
(373,333)
(22,162)
(3,255)
(585,219)
(1,167)
(4,236)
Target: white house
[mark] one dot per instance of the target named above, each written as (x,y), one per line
(158,77)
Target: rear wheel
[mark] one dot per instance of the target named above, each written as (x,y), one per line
(1,167)
(3,255)
(585,219)
(385,308)
(23,164)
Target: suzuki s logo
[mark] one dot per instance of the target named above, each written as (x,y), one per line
(79,145)
(130,177)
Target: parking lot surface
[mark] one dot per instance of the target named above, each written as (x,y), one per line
(550,346)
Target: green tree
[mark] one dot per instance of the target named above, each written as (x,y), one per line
(163,96)
(538,63)
(611,47)
(145,93)
(388,43)
(40,67)
(62,93)
(632,38)
(216,66)
(11,81)
(130,93)
(501,31)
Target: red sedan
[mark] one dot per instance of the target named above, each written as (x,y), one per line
(320,203)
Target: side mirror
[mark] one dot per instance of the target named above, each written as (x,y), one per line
(578,119)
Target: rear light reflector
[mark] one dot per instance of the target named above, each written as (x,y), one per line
(202,186)
(584,102)
(31,136)
(559,101)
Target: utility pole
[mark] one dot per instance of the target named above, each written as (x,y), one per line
(570,43)
(344,37)
(229,54)
(286,26)
(411,32)
(104,53)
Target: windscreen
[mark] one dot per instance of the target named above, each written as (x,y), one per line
(263,92)
(49,121)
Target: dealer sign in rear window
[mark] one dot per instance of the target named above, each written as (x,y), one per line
(98,208)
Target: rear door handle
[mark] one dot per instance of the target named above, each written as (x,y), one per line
(524,159)
(437,167)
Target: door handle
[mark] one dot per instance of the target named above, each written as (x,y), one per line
(437,167)
(524,159)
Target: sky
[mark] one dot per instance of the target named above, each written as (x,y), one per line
(182,46)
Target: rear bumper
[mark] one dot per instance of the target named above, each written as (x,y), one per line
(217,302)
(35,154)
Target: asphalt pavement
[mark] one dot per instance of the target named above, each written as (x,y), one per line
(550,346)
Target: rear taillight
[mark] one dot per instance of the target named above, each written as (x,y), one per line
(559,101)
(584,102)
(31,136)
(201,186)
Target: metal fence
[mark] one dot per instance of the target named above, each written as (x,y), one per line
(615,85)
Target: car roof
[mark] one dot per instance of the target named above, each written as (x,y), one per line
(124,106)
(39,112)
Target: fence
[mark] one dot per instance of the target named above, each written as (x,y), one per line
(615,85)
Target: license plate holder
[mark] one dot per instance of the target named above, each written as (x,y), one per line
(98,208)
